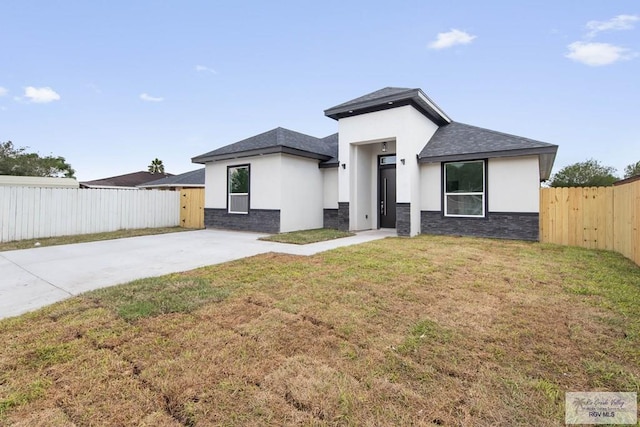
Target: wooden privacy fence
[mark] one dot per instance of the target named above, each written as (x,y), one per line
(595,217)
(30,213)
(192,208)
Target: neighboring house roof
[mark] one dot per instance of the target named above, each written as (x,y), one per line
(389,97)
(627,180)
(129,180)
(188,179)
(459,141)
(278,140)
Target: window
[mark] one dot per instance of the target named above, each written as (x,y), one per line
(464,188)
(238,185)
(387,160)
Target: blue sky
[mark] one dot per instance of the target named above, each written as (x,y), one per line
(110,85)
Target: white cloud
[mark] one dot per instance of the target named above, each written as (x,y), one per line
(149,98)
(40,95)
(452,38)
(620,22)
(3,91)
(597,54)
(201,68)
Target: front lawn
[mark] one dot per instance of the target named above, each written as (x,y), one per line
(422,331)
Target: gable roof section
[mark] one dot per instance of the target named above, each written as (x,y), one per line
(188,179)
(278,140)
(126,180)
(389,97)
(459,141)
(331,142)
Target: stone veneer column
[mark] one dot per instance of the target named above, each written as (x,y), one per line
(403,219)
(343,216)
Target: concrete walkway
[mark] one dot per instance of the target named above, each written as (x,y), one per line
(34,278)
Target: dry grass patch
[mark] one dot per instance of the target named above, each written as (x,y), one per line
(425,331)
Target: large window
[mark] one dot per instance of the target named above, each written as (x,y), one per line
(464,188)
(238,185)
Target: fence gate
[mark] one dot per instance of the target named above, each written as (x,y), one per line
(192,208)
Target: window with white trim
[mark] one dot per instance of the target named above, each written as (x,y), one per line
(464,188)
(238,189)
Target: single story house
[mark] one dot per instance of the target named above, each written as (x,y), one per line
(397,161)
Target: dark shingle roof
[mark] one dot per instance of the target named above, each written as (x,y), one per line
(188,179)
(126,180)
(278,140)
(389,97)
(374,96)
(332,143)
(459,141)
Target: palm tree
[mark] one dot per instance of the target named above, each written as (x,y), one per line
(156,166)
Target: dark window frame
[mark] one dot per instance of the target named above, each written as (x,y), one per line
(485,192)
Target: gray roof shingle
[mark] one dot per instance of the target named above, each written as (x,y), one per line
(389,97)
(193,178)
(332,142)
(374,96)
(459,141)
(278,140)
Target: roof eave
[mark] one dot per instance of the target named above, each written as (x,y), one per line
(329,165)
(414,97)
(171,185)
(259,152)
(546,157)
(552,149)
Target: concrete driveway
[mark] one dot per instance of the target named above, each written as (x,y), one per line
(34,278)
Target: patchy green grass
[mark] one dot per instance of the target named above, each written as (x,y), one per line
(423,331)
(159,295)
(307,236)
(83,238)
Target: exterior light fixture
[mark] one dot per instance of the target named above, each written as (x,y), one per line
(384,147)
(402,160)
(344,166)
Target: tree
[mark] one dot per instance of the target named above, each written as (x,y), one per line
(589,173)
(156,166)
(632,170)
(240,180)
(17,161)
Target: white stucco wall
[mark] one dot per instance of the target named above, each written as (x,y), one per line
(513,184)
(265,173)
(330,188)
(360,140)
(302,193)
(431,186)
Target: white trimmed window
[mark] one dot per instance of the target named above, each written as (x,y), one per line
(464,189)
(238,185)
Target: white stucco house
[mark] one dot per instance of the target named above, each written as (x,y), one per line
(397,161)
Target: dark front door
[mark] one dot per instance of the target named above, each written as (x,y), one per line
(387,193)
